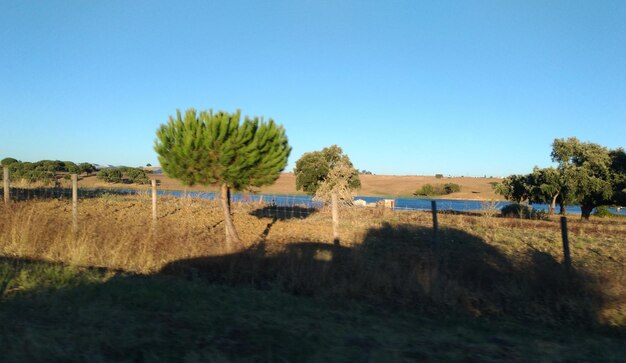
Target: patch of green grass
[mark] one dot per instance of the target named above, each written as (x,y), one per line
(56,313)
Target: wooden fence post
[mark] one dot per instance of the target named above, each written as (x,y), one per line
(75,202)
(154,203)
(335,216)
(7,186)
(567,260)
(435,223)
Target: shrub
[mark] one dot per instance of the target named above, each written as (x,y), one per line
(70,167)
(603,211)
(86,168)
(426,190)
(110,175)
(136,175)
(437,189)
(38,176)
(438,176)
(516,210)
(451,188)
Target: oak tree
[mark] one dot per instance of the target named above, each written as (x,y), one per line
(330,176)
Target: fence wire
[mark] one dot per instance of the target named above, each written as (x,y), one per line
(274,206)
(296,205)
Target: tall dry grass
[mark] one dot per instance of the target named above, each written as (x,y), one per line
(479,266)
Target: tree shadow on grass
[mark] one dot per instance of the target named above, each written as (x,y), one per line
(397,266)
(78,314)
(52,312)
(282,213)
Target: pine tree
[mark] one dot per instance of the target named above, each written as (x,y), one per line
(209,148)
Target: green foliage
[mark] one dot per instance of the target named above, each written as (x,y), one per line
(206,148)
(516,210)
(8,161)
(51,165)
(123,175)
(546,186)
(71,167)
(603,211)
(618,166)
(426,190)
(44,171)
(515,188)
(137,176)
(313,168)
(450,188)
(33,176)
(86,168)
(586,168)
(437,189)
(438,176)
(110,175)
(587,174)
(210,148)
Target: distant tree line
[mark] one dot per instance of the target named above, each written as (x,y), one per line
(47,171)
(44,171)
(587,174)
(123,175)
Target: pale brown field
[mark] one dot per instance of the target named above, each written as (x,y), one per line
(372,185)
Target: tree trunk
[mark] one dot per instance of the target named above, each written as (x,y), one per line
(552,207)
(335,214)
(563,211)
(232,238)
(585,211)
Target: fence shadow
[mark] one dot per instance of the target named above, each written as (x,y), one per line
(398,266)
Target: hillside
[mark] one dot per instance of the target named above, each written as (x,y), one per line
(372,185)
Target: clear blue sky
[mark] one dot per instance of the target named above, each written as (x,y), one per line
(404,87)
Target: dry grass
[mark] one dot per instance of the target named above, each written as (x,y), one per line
(480,266)
(116,231)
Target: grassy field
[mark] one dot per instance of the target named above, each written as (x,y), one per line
(55,313)
(372,185)
(491,289)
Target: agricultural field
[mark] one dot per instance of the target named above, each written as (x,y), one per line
(119,288)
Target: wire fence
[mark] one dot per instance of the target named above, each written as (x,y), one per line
(275,206)
(295,205)
(300,203)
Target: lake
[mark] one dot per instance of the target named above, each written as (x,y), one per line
(402,204)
